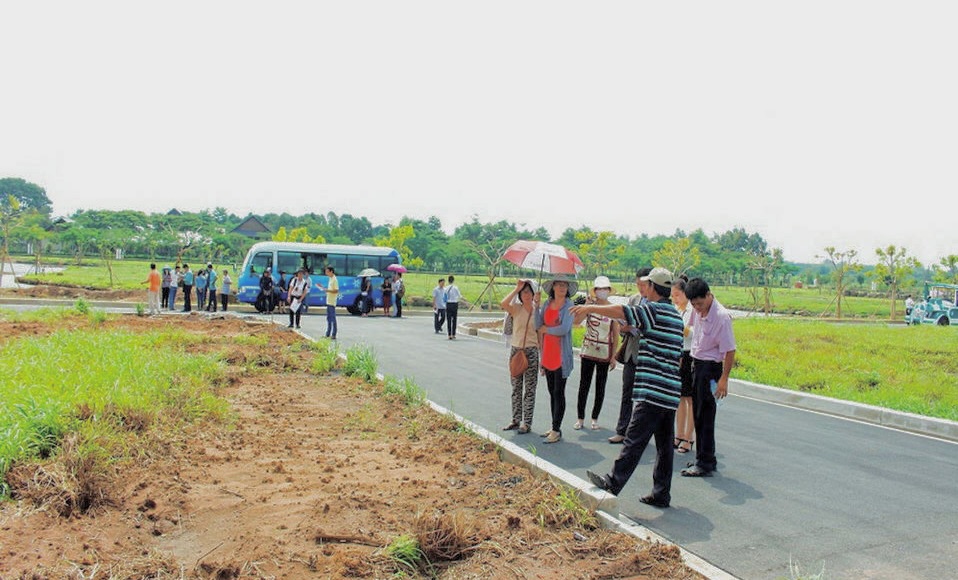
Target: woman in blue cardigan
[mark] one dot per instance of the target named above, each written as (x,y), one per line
(554,321)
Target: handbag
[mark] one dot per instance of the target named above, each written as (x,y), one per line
(519,362)
(620,355)
(597,342)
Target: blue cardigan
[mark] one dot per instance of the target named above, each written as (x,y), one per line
(564,329)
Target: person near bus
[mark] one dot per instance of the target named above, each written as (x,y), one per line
(296,296)
(332,293)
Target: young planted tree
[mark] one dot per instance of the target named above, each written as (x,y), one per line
(946,270)
(766,265)
(10,219)
(894,265)
(600,251)
(679,256)
(843,264)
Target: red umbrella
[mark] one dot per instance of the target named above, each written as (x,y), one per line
(543,257)
(396,268)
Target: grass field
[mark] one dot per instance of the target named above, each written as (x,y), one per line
(96,385)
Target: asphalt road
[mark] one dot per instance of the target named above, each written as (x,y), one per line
(849,498)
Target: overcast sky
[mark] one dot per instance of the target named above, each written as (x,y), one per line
(812,123)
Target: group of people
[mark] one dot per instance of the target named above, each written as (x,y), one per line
(293,294)
(212,290)
(394,291)
(675,343)
(445,306)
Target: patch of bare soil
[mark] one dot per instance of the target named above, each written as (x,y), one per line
(73,292)
(316,476)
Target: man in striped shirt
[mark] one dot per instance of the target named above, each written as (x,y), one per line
(656,389)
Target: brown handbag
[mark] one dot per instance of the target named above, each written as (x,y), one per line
(519,362)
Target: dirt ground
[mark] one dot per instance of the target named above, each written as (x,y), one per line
(314,478)
(72,293)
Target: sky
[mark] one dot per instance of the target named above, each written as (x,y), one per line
(814,123)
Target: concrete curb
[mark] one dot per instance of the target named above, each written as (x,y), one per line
(606,505)
(930,426)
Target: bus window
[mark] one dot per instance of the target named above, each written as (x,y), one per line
(357,263)
(315,263)
(260,262)
(289,262)
(385,261)
(337,261)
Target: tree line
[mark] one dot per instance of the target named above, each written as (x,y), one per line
(733,257)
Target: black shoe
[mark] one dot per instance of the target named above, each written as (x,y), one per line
(297,326)
(696,471)
(289,326)
(652,500)
(601,481)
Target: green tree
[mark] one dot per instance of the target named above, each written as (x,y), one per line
(843,263)
(600,252)
(766,265)
(31,230)
(398,240)
(11,217)
(29,196)
(894,265)
(946,270)
(678,255)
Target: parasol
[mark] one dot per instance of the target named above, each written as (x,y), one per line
(396,268)
(367,272)
(543,257)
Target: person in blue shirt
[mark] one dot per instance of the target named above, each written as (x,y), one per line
(188,280)
(201,285)
(211,288)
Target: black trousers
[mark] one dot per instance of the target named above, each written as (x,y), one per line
(187,292)
(625,405)
(556,384)
(452,317)
(647,421)
(439,317)
(703,408)
(601,371)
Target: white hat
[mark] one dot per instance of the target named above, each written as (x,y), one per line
(602,282)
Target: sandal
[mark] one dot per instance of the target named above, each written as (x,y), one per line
(678,442)
(685,449)
(595,425)
(578,424)
(523,429)
(511,426)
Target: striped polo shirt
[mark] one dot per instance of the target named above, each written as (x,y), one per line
(660,329)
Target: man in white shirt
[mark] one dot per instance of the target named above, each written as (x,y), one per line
(452,307)
(439,305)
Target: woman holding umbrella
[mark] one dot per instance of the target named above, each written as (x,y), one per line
(554,321)
(525,340)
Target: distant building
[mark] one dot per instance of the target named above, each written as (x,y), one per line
(174,211)
(252,227)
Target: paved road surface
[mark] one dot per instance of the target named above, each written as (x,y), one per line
(858,500)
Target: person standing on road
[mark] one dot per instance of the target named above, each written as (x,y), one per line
(399,293)
(332,294)
(296,296)
(684,420)
(713,356)
(453,295)
(167,280)
(387,288)
(153,290)
(201,282)
(226,286)
(597,352)
(628,335)
(211,279)
(656,389)
(175,284)
(188,279)
(439,305)
(524,338)
(554,324)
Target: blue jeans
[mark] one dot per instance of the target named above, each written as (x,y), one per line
(331,326)
(172,299)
